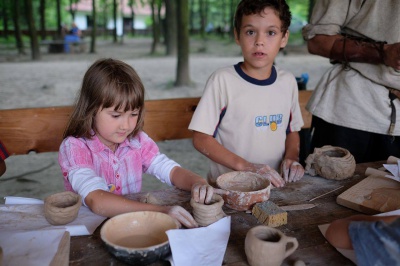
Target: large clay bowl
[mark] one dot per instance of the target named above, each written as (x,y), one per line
(245,189)
(62,208)
(138,238)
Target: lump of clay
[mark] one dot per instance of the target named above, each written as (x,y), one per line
(62,208)
(206,214)
(331,162)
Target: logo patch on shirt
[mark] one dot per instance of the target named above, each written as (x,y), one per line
(111,187)
(272,121)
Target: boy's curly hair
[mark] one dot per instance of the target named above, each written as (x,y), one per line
(249,7)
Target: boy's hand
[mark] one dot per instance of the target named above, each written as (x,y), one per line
(291,170)
(269,173)
(182,216)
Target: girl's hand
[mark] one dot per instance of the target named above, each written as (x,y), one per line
(182,216)
(202,193)
(291,170)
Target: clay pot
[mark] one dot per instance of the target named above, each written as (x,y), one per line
(138,238)
(268,246)
(206,214)
(62,208)
(245,189)
(331,162)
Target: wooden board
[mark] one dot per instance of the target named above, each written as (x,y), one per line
(372,195)
(62,256)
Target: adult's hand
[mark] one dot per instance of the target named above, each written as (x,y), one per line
(291,170)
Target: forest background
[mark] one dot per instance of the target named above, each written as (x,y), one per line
(171,24)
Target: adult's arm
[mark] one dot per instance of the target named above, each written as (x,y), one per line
(345,49)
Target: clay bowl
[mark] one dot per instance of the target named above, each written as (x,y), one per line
(62,208)
(245,189)
(138,238)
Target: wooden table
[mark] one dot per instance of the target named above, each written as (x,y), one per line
(313,248)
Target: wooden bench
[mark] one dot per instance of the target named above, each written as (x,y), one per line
(40,129)
(57,46)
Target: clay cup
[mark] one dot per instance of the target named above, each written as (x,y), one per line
(62,208)
(268,246)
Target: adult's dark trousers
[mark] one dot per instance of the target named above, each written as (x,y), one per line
(364,146)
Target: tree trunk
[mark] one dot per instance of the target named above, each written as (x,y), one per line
(203,18)
(171,27)
(32,30)
(155,27)
(232,17)
(17,27)
(191,14)
(4,10)
(182,72)
(71,10)
(59,20)
(94,29)
(115,37)
(42,12)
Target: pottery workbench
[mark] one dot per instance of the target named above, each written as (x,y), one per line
(303,224)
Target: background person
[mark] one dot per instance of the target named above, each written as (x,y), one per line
(74,35)
(355,104)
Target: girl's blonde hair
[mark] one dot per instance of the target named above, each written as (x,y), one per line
(107,83)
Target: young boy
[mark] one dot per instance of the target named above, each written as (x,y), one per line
(375,239)
(249,116)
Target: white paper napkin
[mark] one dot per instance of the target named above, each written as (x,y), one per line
(28,214)
(394,170)
(200,246)
(30,248)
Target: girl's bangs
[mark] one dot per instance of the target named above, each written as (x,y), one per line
(124,97)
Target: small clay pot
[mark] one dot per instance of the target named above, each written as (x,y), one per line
(206,214)
(62,208)
(245,189)
(331,162)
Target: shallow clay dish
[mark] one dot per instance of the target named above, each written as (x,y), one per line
(138,238)
(62,208)
(245,189)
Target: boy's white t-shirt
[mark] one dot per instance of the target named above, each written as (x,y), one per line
(247,116)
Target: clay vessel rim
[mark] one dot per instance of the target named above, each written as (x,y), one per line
(54,198)
(226,176)
(104,237)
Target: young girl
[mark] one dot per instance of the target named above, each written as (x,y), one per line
(105,151)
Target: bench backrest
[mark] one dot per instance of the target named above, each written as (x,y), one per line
(41,129)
